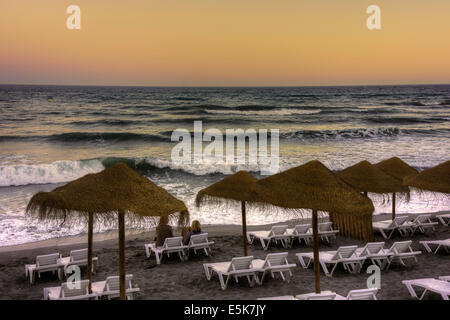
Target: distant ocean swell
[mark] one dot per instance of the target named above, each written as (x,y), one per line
(165,136)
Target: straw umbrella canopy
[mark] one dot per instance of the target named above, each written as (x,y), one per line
(436,179)
(236,187)
(115,192)
(313,186)
(398,169)
(365,177)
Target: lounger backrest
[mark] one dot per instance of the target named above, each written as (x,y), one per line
(113,282)
(47,260)
(78,255)
(344,252)
(398,221)
(363,294)
(74,289)
(278,230)
(372,248)
(199,238)
(241,263)
(325,226)
(424,218)
(322,296)
(302,228)
(276,259)
(401,246)
(173,242)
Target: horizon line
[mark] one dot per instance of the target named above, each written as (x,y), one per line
(225,86)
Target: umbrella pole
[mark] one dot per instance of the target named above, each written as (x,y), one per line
(393,206)
(244,228)
(122,254)
(90,236)
(316,252)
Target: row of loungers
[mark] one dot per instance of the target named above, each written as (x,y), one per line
(301,232)
(110,288)
(57,264)
(351,257)
(174,245)
(408,226)
(361,294)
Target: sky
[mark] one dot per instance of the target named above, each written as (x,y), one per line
(224,43)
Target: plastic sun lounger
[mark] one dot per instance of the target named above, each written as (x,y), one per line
(237,267)
(278,298)
(421,222)
(444,219)
(110,288)
(441,287)
(44,263)
(438,243)
(171,245)
(343,255)
(274,263)
(200,242)
(445,278)
(301,232)
(387,228)
(324,295)
(326,232)
(70,291)
(275,234)
(375,252)
(401,251)
(78,258)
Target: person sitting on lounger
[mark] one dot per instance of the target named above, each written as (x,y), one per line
(163,231)
(196,228)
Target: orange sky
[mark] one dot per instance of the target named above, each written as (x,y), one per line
(224,42)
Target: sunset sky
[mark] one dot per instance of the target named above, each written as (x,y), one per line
(224,42)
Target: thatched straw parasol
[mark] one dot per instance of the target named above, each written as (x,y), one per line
(398,169)
(365,177)
(313,186)
(116,191)
(436,179)
(236,187)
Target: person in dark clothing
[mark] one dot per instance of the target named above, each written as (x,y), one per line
(163,231)
(196,228)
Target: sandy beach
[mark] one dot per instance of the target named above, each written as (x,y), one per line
(178,280)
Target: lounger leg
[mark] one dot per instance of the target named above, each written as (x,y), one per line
(207,273)
(249,238)
(302,262)
(325,269)
(262,277)
(147,251)
(263,244)
(383,234)
(158,258)
(423,294)
(223,285)
(411,290)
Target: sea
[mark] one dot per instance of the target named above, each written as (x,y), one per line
(50,135)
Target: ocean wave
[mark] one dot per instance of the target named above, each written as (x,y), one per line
(56,172)
(89,137)
(278,112)
(341,134)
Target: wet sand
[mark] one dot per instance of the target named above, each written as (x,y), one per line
(178,280)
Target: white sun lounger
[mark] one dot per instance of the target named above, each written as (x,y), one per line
(387,228)
(70,291)
(44,263)
(438,243)
(274,263)
(200,242)
(402,251)
(375,252)
(344,255)
(428,284)
(237,267)
(444,219)
(301,232)
(171,245)
(445,278)
(326,232)
(275,234)
(78,258)
(110,288)
(421,222)
(278,298)
(324,295)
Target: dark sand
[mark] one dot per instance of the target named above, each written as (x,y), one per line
(178,280)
